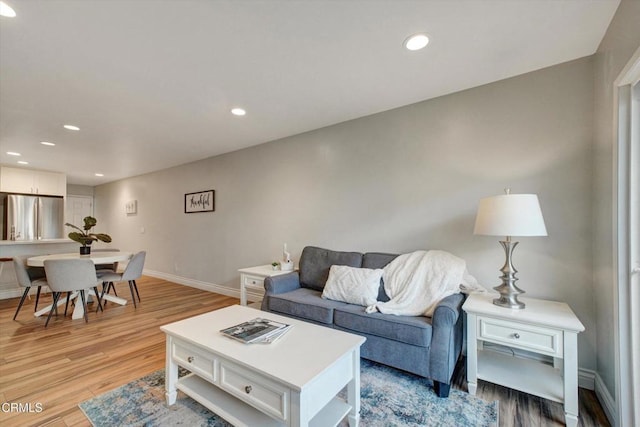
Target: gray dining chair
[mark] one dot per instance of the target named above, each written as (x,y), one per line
(131,273)
(69,275)
(27,278)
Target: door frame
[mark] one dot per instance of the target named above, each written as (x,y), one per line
(626,292)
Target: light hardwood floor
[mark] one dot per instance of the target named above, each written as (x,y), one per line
(70,361)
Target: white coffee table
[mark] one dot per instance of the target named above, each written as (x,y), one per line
(291,382)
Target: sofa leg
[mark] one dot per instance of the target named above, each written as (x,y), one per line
(441,389)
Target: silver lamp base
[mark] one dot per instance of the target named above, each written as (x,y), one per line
(508,290)
(508,301)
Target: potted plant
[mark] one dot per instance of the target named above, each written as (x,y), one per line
(84,237)
(275,265)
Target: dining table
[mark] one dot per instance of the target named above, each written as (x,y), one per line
(107,257)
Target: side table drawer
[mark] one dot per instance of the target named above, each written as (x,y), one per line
(527,337)
(262,393)
(195,360)
(253,281)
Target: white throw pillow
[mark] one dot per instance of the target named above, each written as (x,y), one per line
(353,285)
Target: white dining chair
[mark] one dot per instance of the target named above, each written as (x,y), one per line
(27,278)
(69,275)
(131,273)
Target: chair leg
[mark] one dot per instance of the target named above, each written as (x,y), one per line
(84,306)
(55,307)
(135,286)
(133,297)
(112,286)
(95,289)
(37,298)
(24,296)
(66,307)
(56,296)
(105,288)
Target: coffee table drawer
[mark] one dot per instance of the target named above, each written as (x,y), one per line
(262,393)
(527,337)
(194,359)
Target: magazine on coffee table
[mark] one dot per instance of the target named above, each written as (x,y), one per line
(258,330)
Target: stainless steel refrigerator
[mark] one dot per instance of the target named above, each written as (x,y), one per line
(33,217)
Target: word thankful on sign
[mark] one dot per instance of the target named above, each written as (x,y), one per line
(202,201)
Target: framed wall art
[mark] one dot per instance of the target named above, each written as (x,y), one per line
(202,201)
(131,207)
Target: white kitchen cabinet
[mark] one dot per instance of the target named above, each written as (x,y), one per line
(29,181)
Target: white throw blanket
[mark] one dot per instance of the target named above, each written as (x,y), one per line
(417,281)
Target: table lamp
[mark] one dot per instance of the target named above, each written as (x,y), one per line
(509,215)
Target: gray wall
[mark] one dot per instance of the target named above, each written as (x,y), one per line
(616,49)
(397,181)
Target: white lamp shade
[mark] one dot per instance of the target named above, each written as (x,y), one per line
(510,215)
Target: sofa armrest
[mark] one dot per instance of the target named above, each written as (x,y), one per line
(446,340)
(279,285)
(447,311)
(283,283)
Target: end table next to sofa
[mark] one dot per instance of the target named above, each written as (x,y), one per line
(543,327)
(252,281)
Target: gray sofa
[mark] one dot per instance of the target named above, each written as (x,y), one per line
(428,347)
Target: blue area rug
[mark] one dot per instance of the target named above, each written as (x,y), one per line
(388,398)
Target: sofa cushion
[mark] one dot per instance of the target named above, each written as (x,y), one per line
(378,260)
(410,358)
(415,330)
(315,263)
(353,285)
(304,303)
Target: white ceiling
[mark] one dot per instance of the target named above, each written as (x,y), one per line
(151,82)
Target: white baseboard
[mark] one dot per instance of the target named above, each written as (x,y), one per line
(586,379)
(205,286)
(17,292)
(11,293)
(606,400)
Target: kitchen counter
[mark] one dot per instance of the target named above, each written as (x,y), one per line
(34,242)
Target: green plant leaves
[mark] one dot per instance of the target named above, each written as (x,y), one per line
(89,222)
(85,238)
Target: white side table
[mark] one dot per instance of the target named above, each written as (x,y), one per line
(543,327)
(252,281)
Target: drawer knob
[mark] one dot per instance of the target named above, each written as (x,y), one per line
(516,336)
(190,359)
(248,389)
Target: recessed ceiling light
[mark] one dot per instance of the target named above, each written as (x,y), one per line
(416,41)
(50,144)
(99,174)
(22,162)
(238,111)
(13,153)
(71,127)
(6,10)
